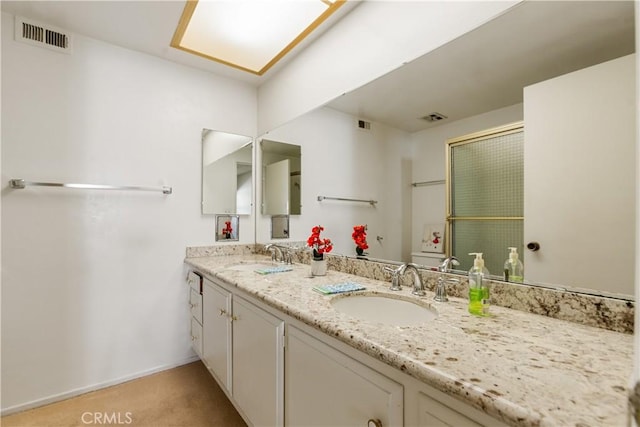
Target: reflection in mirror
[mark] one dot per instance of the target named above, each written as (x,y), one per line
(226,173)
(227,228)
(280,227)
(478,81)
(281,186)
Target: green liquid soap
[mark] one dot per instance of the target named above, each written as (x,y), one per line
(479,301)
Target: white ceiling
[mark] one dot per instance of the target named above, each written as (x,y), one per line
(487,68)
(478,72)
(145,26)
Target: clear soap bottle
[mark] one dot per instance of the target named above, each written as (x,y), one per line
(478,288)
(513,268)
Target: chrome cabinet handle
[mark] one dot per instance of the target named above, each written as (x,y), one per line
(374,423)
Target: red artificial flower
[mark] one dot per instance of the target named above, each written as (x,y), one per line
(359,236)
(319,245)
(228,229)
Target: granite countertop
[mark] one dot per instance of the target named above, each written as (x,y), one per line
(521,368)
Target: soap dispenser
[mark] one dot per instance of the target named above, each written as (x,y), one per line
(513,268)
(478,288)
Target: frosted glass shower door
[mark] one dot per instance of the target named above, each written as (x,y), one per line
(485,201)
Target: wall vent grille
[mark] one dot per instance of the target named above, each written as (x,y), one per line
(364,125)
(47,36)
(434,117)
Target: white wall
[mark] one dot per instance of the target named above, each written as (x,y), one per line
(429,159)
(92,282)
(341,160)
(373,39)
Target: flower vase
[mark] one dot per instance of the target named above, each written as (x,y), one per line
(359,251)
(318,267)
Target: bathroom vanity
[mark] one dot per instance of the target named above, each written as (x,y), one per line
(285,356)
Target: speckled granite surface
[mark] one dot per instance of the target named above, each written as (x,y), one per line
(522,368)
(602,312)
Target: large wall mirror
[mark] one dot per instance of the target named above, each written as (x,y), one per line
(227,173)
(477,82)
(281,178)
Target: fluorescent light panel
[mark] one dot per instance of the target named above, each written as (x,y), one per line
(251,35)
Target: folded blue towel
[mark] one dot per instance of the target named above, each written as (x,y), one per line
(338,288)
(270,270)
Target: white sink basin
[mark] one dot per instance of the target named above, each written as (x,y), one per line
(382,309)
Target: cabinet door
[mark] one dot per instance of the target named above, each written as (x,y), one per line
(432,413)
(217,332)
(324,387)
(258,363)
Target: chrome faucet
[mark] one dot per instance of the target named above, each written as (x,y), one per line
(418,286)
(448,261)
(280,253)
(276,252)
(441,289)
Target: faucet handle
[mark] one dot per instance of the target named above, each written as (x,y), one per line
(287,255)
(441,291)
(395,277)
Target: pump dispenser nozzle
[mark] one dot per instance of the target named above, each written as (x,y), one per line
(478,262)
(513,255)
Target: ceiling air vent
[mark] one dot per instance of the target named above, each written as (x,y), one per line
(35,33)
(364,125)
(434,117)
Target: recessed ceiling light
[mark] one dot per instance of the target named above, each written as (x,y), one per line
(251,35)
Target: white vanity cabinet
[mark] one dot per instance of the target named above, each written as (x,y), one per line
(279,371)
(243,349)
(324,387)
(194,281)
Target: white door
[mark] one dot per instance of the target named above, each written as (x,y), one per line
(277,190)
(579,178)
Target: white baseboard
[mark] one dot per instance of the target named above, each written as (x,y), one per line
(94,387)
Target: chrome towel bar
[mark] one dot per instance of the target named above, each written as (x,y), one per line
(371,202)
(21,183)
(425,183)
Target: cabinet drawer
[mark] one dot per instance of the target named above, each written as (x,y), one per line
(194,280)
